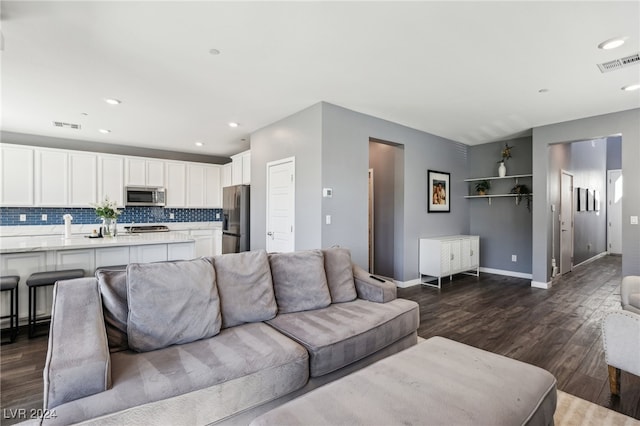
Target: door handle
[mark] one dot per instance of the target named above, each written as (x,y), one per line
(270,234)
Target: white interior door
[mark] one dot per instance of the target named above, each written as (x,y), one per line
(566,222)
(281,205)
(614,211)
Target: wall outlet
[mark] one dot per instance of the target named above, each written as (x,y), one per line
(514,257)
(44,218)
(23,218)
(172,216)
(217,215)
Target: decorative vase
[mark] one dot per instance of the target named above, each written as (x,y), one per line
(502,170)
(109,227)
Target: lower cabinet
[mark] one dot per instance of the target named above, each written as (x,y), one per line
(445,256)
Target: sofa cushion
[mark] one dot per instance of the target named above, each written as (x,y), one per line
(299,281)
(339,270)
(245,287)
(113,289)
(346,332)
(171,303)
(244,366)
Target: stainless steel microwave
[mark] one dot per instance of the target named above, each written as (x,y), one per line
(144,196)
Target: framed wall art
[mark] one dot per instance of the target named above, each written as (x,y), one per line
(438,190)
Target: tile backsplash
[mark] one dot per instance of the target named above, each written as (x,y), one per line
(10,216)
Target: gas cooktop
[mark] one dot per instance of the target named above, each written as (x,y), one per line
(138,229)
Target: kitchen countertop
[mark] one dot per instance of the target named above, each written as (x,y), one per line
(80,230)
(21,244)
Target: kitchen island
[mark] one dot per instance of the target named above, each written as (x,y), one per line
(24,255)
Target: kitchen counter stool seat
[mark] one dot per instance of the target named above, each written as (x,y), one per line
(10,283)
(45,279)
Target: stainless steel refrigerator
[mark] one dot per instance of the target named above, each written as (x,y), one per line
(235,219)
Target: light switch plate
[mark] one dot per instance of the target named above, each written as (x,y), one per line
(327,192)
(172,216)
(634,220)
(44,218)
(23,218)
(328,219)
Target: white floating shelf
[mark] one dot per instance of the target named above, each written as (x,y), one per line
(498,177)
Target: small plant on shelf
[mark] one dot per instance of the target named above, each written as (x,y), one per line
(522,191)
(482,187)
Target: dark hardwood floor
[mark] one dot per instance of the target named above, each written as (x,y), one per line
(556,329)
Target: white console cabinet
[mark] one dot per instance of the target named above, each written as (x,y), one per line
(445,256)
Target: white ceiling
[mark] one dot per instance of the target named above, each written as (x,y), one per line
(468,71)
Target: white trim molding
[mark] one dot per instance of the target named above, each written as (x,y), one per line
(507,273)
(591,259)
(538,284)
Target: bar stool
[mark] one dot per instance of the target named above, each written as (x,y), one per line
(44,279)
(10,283)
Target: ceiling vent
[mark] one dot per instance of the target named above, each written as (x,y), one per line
(620,63)
(63,125)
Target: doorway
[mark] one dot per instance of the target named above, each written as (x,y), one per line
(385,206)
(614,211)
(566,222)
(281,205)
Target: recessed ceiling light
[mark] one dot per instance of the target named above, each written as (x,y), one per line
(631,87)
(199,144)
(612,43)
(543,90)
(112,101)
(214,52)
(104,131)
(84,113)
(233,124)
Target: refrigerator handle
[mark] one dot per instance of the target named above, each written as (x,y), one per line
(225,221)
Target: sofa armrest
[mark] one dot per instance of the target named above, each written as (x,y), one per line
(78,361)
(630,285)
(621,338)
(371,289)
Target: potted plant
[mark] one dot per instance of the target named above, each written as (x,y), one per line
(482,187)
(505,154)
(108,212)
(522,191)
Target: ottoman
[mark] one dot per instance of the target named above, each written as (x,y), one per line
(437,382)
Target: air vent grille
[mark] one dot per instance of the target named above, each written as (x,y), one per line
(620,63)
(64,125)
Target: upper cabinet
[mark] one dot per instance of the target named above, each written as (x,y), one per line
(143,172)
(203,186)
(226,175)
(111,178)
(51,177)
(16,172)
(241,168)
(176,184)
(83,186)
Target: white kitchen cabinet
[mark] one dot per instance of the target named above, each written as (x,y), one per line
(112,256)
(23,265)
(226,175)
(203,186)
(212,187)
(445,256)
(148,253)
(176,184)
(111,178)
(83,173)
(204,241)
(76,259)
(51,178)
(144,172)
(180,251)
(217,242)
(16,173)
(246,168)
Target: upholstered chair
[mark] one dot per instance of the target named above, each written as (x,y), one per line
(621,334)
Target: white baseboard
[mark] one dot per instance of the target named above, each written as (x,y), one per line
(591,259)
(405,284)
(507,273)
(538,284)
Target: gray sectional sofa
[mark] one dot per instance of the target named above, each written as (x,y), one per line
(213,339)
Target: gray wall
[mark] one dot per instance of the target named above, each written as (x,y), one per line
(345,161)
(107,148)
(299,136)
(625,123)
(614,153)
(382,159)
(589,168)
(504,228)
